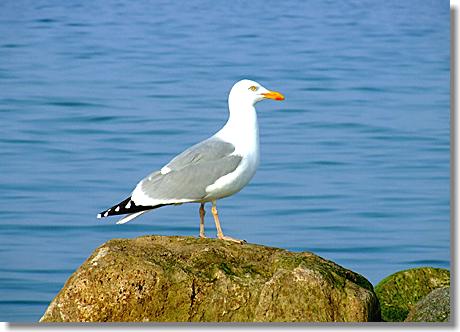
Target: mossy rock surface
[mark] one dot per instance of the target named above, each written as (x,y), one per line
(435,307)
(399,292)
(180,279)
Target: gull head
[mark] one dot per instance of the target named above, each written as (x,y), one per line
(247,91)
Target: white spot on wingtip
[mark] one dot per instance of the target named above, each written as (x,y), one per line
(117,209)
(106,214)
(165,170)
(99,216)
(128,205)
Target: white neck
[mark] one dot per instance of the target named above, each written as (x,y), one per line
(241,128)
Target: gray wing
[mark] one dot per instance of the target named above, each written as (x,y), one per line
(208,150)
(191,172)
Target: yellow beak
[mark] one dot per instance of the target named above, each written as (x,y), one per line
(273,95)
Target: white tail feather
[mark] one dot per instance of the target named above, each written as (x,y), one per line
(130,217)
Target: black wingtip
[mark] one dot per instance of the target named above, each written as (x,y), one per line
(125,207)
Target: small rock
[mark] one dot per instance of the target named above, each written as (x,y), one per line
(399,292)
(435,307)
(179,279)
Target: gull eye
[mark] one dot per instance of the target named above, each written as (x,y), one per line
(253,88)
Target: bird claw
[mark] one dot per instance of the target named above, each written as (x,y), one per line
(228,238)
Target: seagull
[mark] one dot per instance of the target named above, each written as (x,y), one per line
(215,168)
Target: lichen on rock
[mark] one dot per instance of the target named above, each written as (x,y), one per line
(399,292)
(180,279)
(435,307)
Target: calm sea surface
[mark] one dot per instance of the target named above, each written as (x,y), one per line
(94,96)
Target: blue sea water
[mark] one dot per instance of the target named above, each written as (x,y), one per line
(95,95)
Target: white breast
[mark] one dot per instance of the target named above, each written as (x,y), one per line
(242,131)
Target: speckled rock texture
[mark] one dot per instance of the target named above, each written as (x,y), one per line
(435,307)
(182,279)
(399,292)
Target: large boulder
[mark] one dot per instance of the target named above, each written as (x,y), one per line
(435,307)
(399,292)
(156,278)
